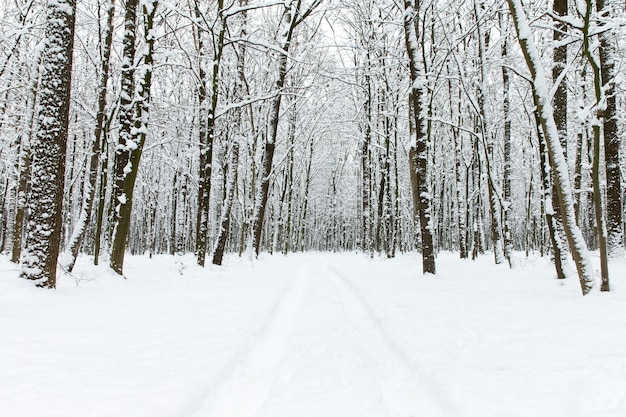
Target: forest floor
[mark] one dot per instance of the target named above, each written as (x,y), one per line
(318,335)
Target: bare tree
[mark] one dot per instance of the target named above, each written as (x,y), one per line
(420,158)
(577,244)
(49,146)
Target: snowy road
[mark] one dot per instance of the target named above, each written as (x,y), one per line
(322,354)
(320,335)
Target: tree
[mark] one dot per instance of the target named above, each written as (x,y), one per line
(607,9)
(133,123)
(577,244)
(420,159)
(208,125)
(89,191)
(49,146)
(600,107)
(291,18)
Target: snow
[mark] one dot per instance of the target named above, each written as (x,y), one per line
(312,335)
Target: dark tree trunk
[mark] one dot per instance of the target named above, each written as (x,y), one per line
(206,147)
(420,160)
(80,229)
(506,111)
(290,18)
(123,150)
(559,58)
(131,143)
(612,139)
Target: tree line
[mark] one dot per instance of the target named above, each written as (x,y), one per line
(295,125)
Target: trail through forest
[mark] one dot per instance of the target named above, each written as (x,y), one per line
(312,335)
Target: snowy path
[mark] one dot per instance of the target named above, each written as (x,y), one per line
(312,335)
(322,354)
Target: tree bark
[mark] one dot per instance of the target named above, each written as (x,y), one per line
(612,139)
(49,146)
(206,144)
(135,125)
(595,171)
(420,160)
(290,20)
(89,189)
(580,253)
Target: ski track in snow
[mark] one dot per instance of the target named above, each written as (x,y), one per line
(314,336)
(248,386)
(298,339)
(397,380)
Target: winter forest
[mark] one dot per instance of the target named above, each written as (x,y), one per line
(436,137)
(214,127)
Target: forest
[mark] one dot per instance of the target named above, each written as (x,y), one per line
(281,126)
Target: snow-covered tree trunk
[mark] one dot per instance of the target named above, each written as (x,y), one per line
(43,239)
(608,11)
(287,27)
(559,57)
(506,113)
(600,107)
(134,125)
(420,160)
(367,243)
(206,147)
(231,182)
(577,244)
(24,165)
(546,198)
(10,204)
(231,176)
(487,135)
(89,188)
(125,142)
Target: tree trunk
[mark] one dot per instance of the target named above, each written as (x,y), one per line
(595,171)
(206,147)
(420,144)
(24,166)
(290,21)
(612,139)
(89,190)
(487,135)
(506,112)
(559,58)
(131,140)
(49,147)
(581,255)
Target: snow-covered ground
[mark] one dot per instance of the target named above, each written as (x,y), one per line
(317,335)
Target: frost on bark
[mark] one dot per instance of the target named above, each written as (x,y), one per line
(577,244)
(133,123)
(24,166)
(506,110)
(366,175)
(231,179)
(89,187)
(600,107)
(559,58)
(546,200)
(207,131)
(125,142)
(487,135)
(612,139)
(49,146)
(420,155)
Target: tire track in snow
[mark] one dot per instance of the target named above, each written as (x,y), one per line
(247,387)
(404,394)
